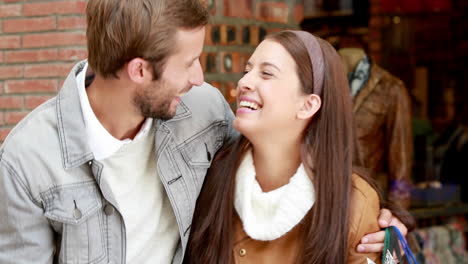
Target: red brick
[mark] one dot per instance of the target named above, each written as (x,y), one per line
(48,8)
(71,23)
(61,82)
(10,10)
(219,86)
(31,55)
(54,39)
(73,54)
(4,133)
(7,72)
(1,57)
(2,122)
(28,86)
(31,102)
(224,29)
(29,24)
(1,87)
(208,39)
(254,39)
(10,42)
(47,70)
(216,85)
(223,34)
(239,8)
(13,1)
(240,60)
(230,89)
(272,12)
(12,118)
(298,13)
(203,61)
(11,102)
(274,30)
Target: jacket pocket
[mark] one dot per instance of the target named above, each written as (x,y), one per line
(77,208)
(198,152)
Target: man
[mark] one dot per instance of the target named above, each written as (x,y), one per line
(109,172)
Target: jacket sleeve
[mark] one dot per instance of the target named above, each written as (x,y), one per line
(399,136)
(25,234)
(365,208)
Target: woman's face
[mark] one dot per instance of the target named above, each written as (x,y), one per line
(269,94)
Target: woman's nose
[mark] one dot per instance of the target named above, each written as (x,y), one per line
(245,83)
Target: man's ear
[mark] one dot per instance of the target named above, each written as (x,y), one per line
(138,70)
(310,105)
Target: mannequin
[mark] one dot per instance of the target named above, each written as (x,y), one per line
(351,57)
(383,124)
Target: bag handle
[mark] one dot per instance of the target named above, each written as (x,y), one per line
(392,237)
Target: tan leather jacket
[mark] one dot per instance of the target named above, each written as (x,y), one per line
(284,250)
(383,119)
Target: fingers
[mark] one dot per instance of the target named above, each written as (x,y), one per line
(374,242)
(373,238)
(385,217)
(396,222)
(370,248)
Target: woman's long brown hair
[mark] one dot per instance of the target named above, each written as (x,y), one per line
(327,154)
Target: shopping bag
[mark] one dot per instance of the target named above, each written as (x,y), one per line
(391,253)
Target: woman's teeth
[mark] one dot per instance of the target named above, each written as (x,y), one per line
(250,105)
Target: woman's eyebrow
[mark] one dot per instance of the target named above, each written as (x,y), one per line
(266,63)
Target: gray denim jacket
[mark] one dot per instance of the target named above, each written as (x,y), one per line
(54,205)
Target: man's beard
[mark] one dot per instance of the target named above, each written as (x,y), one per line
(151,105)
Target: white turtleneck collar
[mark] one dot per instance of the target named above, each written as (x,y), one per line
(269,215)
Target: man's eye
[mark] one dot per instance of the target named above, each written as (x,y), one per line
(266,73)
(190,64)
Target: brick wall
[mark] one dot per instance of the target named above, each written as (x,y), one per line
(39,43)
(40,40)
(237,27)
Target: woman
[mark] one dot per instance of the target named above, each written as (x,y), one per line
(291,195)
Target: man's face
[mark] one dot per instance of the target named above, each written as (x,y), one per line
(160,98)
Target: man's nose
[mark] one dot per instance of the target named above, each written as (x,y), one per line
(196,77)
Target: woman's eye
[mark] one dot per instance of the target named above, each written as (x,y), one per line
(266,73)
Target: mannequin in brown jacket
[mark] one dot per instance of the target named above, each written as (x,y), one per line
(383,120)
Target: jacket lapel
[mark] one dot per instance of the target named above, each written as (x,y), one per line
(374,79)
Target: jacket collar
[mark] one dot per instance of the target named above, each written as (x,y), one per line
(71,124)
(374,78)
(182,112)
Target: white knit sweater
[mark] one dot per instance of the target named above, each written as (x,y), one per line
(151,227)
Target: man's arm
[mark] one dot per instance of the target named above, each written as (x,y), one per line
(25,234)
